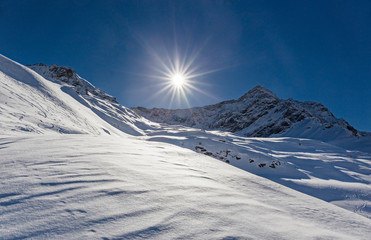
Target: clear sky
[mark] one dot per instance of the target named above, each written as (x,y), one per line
(306,50)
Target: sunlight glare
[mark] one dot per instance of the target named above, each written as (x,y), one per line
(179,75)
(178,79)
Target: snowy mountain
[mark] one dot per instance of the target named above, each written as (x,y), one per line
(102,104)
(260,113)
(61,102)
(77,165)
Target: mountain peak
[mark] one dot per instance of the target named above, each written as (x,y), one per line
(260,113)
(259,92)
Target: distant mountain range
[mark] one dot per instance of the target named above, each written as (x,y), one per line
(260,113)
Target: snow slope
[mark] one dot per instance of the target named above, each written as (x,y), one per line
(77,165)
(322,170)
(107,187)
(102,104)
(260,113)
(30,103)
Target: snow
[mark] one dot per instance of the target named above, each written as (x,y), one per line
(77,165)
(36,105)
(54,106)
(106,187)
(313,167)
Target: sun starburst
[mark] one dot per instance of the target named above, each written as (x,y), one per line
(178,80)
(178,76)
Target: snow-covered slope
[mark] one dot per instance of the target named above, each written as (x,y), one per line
(106,187)
(30,103)
(325,171)
(102,104)
(260,113)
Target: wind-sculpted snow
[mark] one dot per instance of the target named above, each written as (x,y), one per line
(260,113)
(84,187)
(322,170)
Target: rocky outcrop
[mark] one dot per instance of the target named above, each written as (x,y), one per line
(69,76)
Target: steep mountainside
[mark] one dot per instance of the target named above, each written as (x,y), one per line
(100,103)
(64,104)
(31,104)
(260,113)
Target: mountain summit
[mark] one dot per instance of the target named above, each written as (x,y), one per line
(258,92)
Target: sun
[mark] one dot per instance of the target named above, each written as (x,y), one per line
(180,75)
(178,79)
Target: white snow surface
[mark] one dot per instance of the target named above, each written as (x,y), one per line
(77,165)
(316,168)
(86,187)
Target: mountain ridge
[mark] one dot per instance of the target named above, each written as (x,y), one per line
(68,75)
(257,113)
(260,113)
(101,103)
(59,100)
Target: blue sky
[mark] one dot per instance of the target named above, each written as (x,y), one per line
(306,50)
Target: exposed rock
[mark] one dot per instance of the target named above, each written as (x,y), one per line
(70,77)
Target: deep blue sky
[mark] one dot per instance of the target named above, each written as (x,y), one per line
(306,50)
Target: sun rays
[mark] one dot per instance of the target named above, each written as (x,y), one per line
(178,76)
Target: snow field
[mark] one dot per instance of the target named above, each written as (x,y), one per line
(84,187)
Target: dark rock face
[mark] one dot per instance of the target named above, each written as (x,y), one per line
(258,113)
(62,72)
